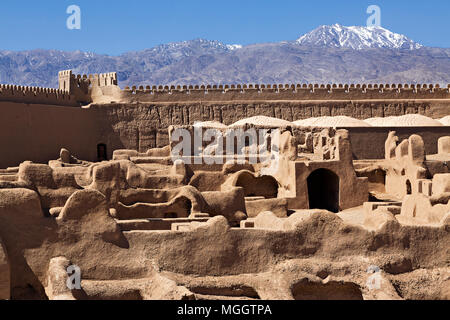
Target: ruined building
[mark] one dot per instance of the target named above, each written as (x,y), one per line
(224,192)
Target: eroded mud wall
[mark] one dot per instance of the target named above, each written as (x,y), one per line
(37,132)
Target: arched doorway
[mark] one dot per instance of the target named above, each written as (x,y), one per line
(323,190)
(408,187)
(102,155)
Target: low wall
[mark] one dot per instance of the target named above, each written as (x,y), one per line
(368,143)
(37,132)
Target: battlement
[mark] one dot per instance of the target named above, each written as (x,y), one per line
(70,82)
(103,79)
(73,90)
(291,86)
(36,95)
(294,92)
(76,90)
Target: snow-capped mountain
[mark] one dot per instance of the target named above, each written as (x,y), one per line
(357,38)
(329,54)
(234,46)
(177,50)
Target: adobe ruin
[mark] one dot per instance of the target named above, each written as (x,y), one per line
(97,180)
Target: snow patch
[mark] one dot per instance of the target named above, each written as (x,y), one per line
(357,38)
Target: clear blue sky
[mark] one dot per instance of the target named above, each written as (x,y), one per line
(117,26)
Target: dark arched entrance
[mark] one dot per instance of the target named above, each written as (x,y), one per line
(102,155)
(408,187)
(323,190)
(265,186)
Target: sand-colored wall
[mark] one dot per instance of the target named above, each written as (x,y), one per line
(286,92)
(36,132)
(35,95)
(229,112)
(143,126)
(368,143)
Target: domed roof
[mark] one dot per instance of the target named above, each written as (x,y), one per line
(409,120)
(445,121)
(263,121)
(334,122)
(210,124)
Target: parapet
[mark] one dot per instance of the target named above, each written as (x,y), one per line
(103,88)
(293,92)
(81,85)
(103,79)
(73,90)
(36,95)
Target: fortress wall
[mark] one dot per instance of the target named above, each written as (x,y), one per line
(282,92)
(68,81)
(75,90)
(162,115)
(37,132)
(36,95)
(144,126)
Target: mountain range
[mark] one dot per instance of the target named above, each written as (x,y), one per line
(328,54)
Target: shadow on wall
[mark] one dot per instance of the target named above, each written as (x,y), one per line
(265,186)
(323,190)
(333,290)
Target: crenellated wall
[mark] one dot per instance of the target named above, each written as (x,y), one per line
(283,92)
(73,90)
(36,95)
(77,90)
(82,86)
(69,81)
